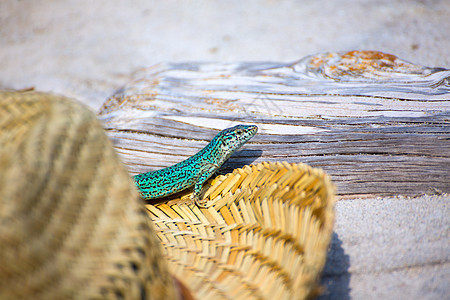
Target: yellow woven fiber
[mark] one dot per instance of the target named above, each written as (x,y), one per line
(264,235)
(72,225)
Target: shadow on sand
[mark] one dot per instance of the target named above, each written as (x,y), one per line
(335,277)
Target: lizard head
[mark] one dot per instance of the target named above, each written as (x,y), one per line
(229,140)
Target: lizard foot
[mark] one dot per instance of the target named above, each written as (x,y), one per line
(200,203)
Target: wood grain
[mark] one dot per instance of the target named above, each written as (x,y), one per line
(377,124)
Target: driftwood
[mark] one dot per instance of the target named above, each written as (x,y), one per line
(377,124)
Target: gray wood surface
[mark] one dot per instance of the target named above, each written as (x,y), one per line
(377,124)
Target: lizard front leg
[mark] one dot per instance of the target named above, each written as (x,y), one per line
(208,169)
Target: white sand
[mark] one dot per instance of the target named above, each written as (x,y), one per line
(390,248)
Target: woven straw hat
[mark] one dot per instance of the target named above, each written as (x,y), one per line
(71,223)
(73,226)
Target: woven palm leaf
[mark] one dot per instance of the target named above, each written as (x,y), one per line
(72,225)
(264,234)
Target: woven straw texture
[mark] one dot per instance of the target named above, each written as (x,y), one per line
(264,235)
(71,223)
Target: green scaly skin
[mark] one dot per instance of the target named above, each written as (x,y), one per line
(195,170)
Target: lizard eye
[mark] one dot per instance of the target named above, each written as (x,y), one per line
(239,131)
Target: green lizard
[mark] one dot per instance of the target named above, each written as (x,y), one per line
(195,170)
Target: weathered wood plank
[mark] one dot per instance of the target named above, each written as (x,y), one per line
(378,125)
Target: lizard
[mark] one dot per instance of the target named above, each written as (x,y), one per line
(197,169)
